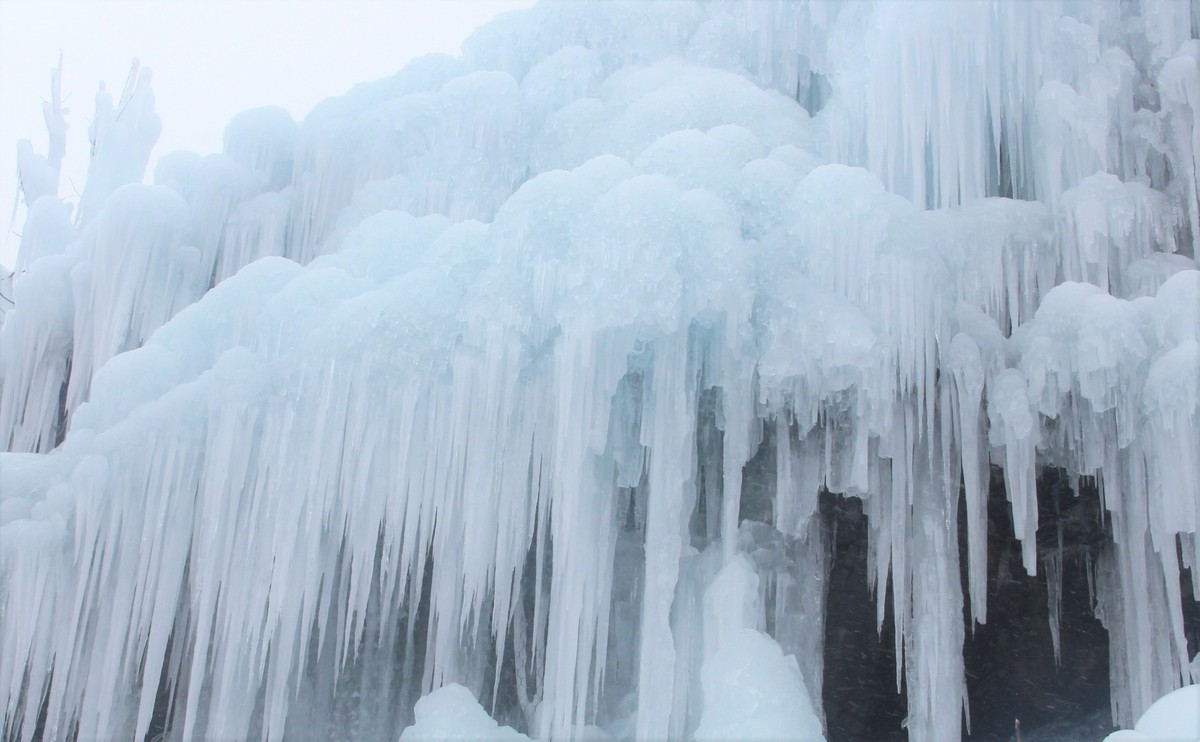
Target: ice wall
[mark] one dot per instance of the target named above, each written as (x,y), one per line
(459,380)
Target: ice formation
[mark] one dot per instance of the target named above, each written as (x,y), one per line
(1175,716)
(458,382)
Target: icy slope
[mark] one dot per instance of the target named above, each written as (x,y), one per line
(457,380)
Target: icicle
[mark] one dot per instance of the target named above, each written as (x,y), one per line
(1105,225)
(933,636)
(665,433)
(966,366)
(582,529)
(1015,425)
(138,273)
(36,357)
(738,416)
(122,138)
(800,609)
(1053,563)
(1178,81)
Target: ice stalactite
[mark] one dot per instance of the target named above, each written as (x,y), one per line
(122,135)
(1178,81)
(966,368)
(1013,423)
(137,239)
(1053,565)
(30,409)
(512,384)
(38,175)
(668,437)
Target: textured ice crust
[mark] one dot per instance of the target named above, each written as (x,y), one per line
(449,392)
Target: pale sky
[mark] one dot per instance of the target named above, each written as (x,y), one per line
(211,59)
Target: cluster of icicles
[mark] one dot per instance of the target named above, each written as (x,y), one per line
(457,381)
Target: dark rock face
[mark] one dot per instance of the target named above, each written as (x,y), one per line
(1013,677)
(859,693)
(1012,673)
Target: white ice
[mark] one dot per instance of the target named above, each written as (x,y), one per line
(471,379)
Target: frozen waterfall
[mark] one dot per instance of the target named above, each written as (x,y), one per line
(511,391)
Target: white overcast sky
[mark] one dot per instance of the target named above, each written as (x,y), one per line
(211,59)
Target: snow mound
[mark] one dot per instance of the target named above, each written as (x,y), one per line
(452,713)
(1174,717)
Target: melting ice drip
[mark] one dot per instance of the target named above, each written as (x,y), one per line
(456,381)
